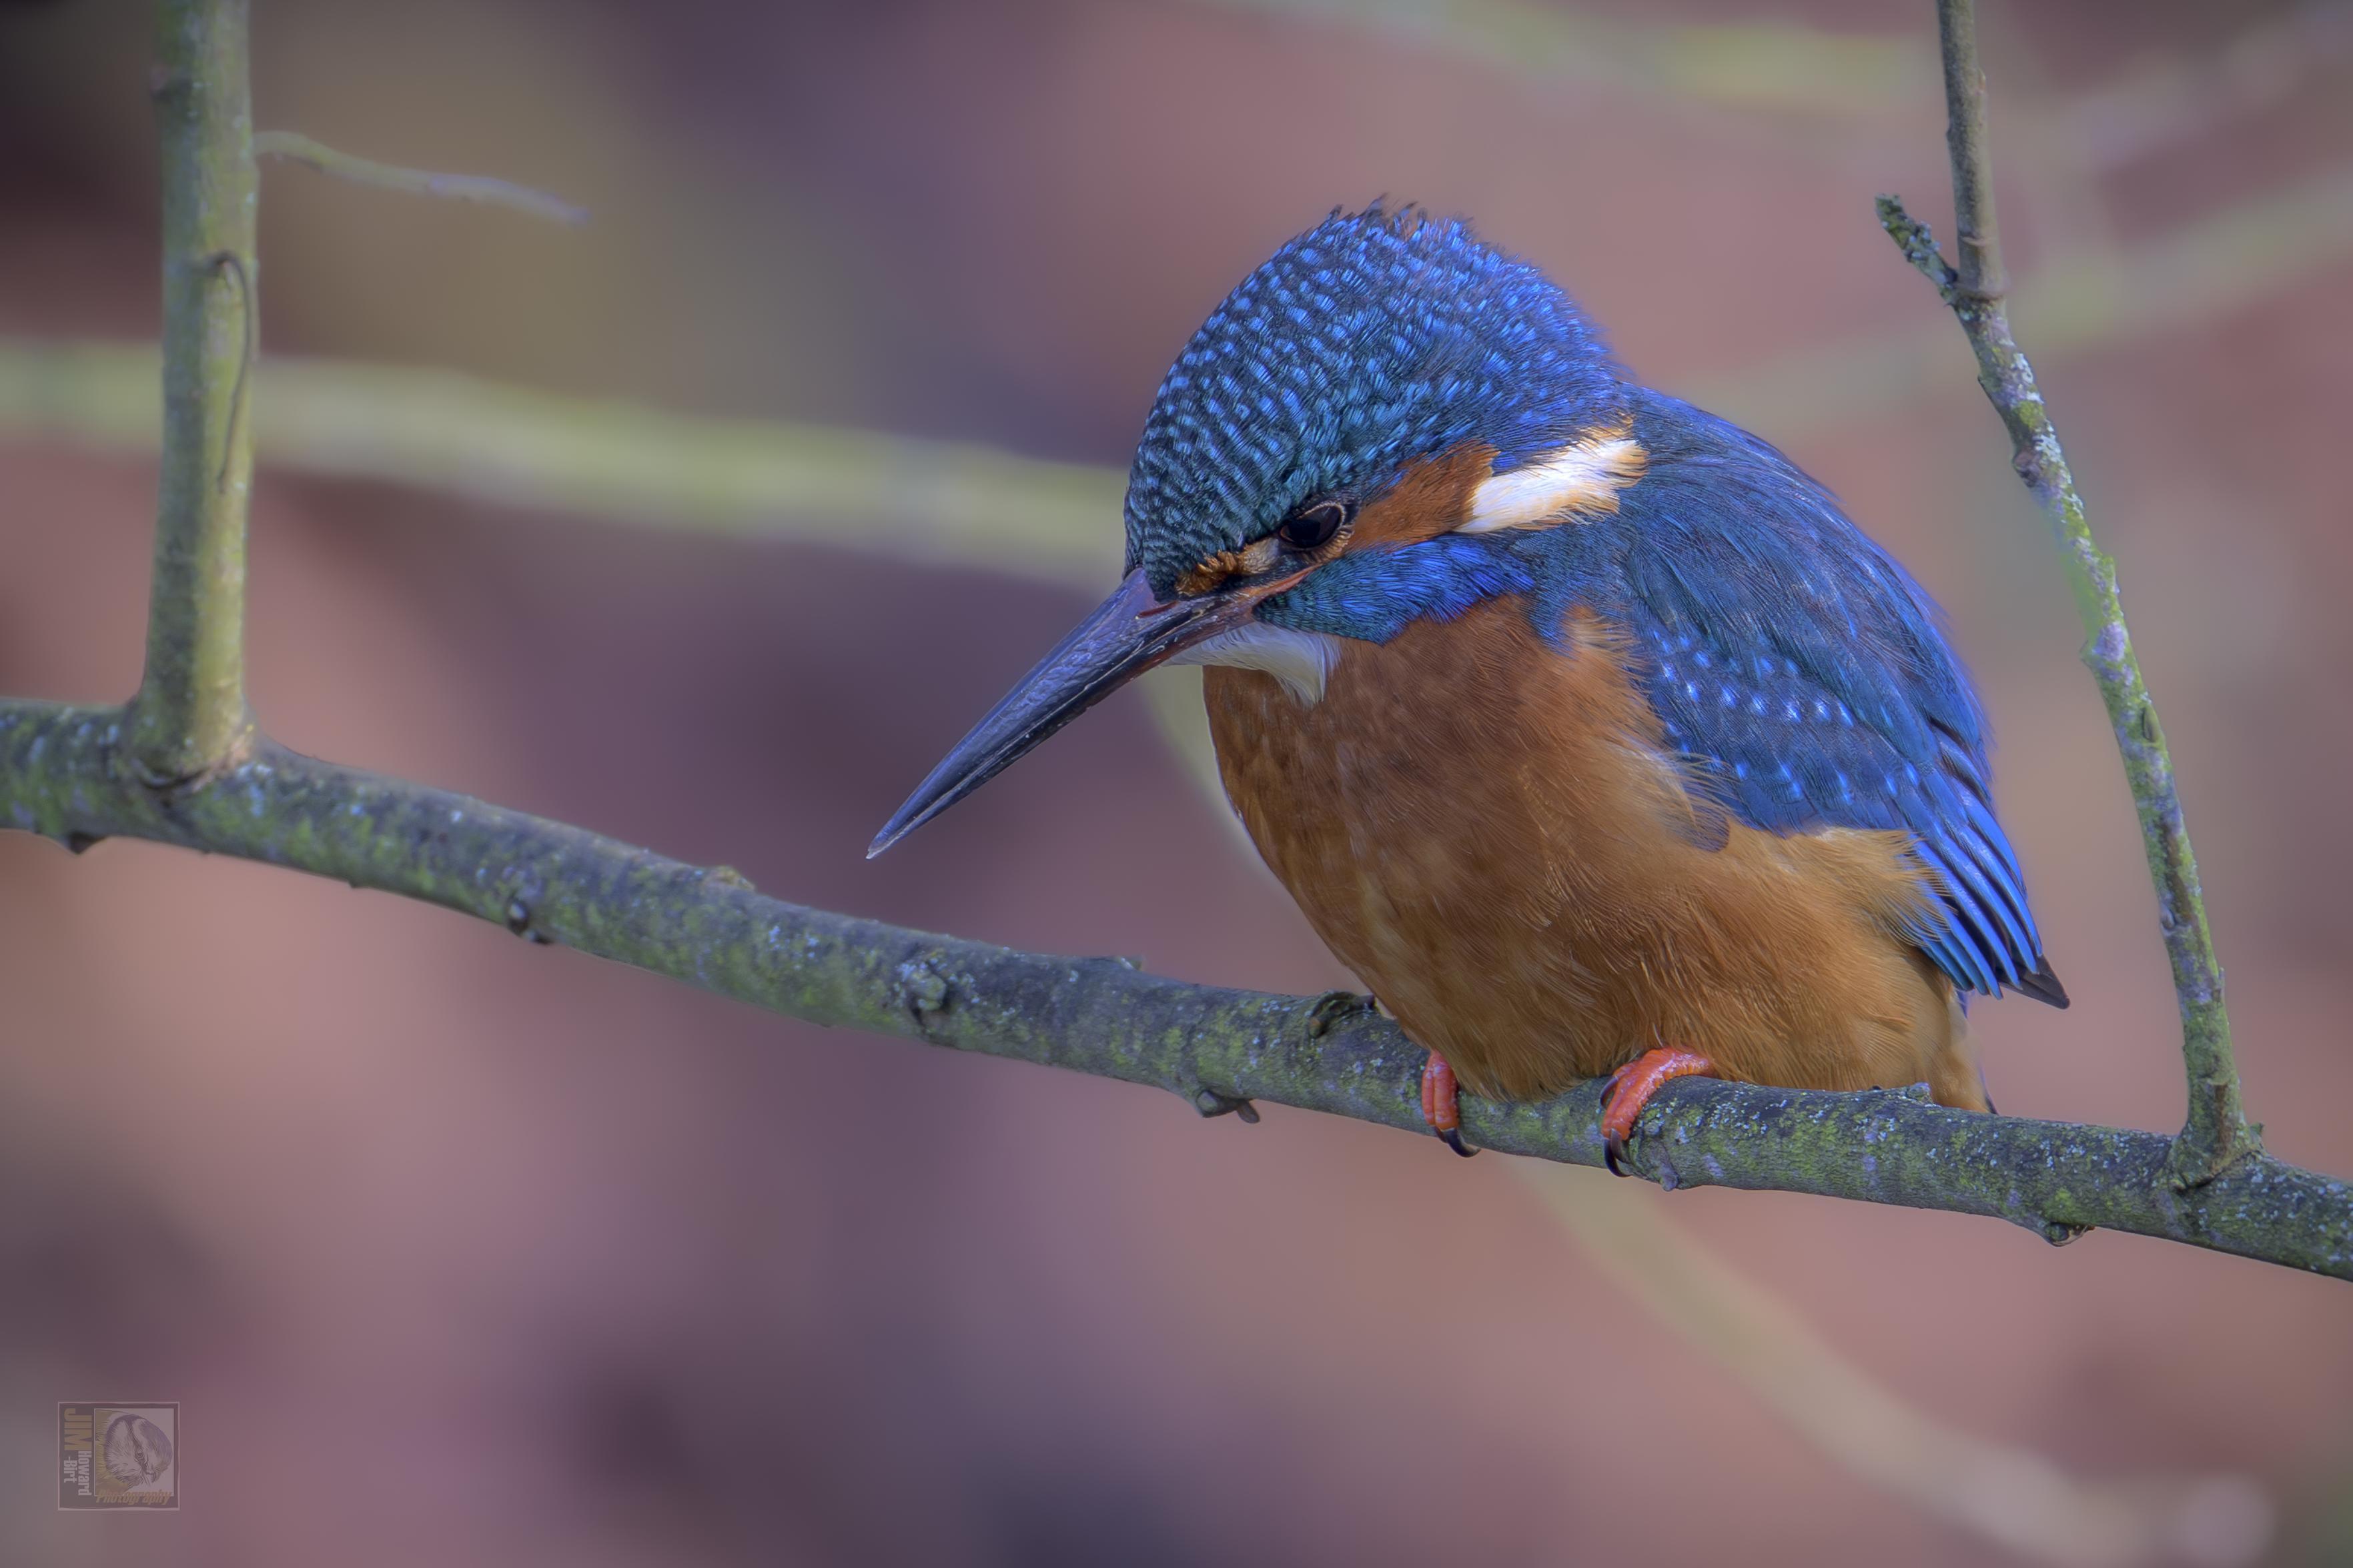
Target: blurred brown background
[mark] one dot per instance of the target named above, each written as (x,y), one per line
(457,1250)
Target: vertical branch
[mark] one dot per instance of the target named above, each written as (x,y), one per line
(2217,1134)
(1977,235)
(189,718)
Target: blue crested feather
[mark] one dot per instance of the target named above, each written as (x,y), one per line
(1373,339)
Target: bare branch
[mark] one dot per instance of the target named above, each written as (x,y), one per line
(298,148)
(1980,275)
(1213,1048)
(190,717)
(2217,1135)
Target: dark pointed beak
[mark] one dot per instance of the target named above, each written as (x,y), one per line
(1127,634)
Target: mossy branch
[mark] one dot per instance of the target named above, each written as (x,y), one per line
(1218,1049)
(2217,1134)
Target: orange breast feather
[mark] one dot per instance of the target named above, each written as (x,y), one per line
(1489,832)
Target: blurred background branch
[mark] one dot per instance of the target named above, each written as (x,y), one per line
(968,504)
(482,189)
(1778,66)
(2071,303)
(956,503)
(2010,1497)
(2170,99)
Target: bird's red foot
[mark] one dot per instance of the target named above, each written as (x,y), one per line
(1630,1087)
(1441,1104)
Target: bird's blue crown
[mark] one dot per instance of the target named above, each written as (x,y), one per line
(1373,340)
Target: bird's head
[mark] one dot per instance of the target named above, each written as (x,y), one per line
(1348,442)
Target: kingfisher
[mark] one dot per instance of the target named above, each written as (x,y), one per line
(1582,725)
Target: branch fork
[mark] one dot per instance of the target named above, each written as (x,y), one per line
(2217,1135)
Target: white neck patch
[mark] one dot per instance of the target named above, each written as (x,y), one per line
(1585,477)
(1301,660)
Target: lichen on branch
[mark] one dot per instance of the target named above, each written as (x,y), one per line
(1214,1047)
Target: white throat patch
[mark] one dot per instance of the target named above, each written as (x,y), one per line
(1301,660)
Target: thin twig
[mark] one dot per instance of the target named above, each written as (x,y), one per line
(189,717)
(1977,235)
(2217,1134)
(312,153)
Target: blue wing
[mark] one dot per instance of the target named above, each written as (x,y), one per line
(1801,671)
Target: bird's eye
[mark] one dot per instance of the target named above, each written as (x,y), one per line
(1312,525)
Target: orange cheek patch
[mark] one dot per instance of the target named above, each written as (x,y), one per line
(1431,498)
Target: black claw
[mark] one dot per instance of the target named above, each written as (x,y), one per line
(1210,1102)
(1454,1141)
(1612,1151)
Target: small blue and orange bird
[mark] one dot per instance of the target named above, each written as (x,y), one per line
(1582,725)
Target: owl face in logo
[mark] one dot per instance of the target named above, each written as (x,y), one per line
(138,1451)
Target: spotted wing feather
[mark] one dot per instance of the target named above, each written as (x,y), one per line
(1801,672)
